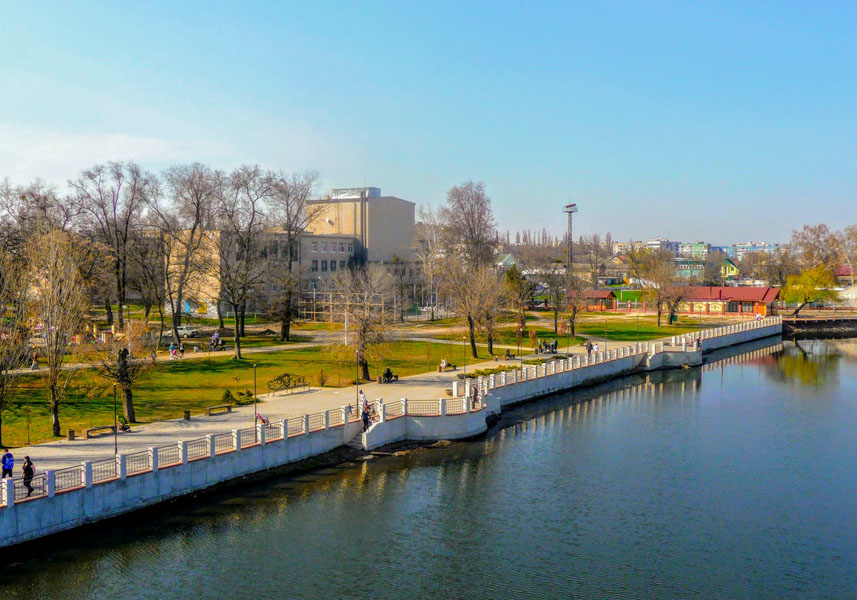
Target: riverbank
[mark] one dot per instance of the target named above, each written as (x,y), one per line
(96,490)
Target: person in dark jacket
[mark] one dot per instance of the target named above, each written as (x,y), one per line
(28,471)
(365,417)
(8,464)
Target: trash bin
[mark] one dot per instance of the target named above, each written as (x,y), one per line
(70,435)
(187,415)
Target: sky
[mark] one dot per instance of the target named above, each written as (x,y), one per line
(716,121)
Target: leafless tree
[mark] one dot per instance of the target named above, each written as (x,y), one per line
(815,245)
(429,249)
(122,362)
(553,276)
(519,290)
(243,258)
(26,211)
(112,198)
(576,300)
(468,223)
(14,330)
(403,283)
(290,213)
(661,283)
(146,272)
(185,221)
(59,304)
(361,292)
(458,283)
(489,284)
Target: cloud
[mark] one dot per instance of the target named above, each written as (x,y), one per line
(27,153)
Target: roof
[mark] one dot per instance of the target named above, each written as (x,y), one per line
(733,294)
(506,260)
(843,271)
(599,294)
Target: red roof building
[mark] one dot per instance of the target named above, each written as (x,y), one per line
(731,300)
(599,299)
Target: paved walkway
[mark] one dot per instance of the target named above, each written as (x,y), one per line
(63,453)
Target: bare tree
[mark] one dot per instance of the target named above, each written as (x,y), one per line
(576,299)
(146,272)
(361,292)
(468,223)
(429,249)
(14,330)
(112,198)
(291,213)
(59,305)
(554,279)
(122,362)
(814,245)
(520,291)
(660,281)
(403,281)
(243,260)
(458,285)
(489,284)
(185,221)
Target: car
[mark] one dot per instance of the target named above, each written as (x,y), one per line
(187,331)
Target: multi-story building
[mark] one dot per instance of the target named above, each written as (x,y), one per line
(694,250)
(659,243)
(737,251)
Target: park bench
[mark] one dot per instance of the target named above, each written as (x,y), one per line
(219,409)
(96,431)
(392,379)
(449,367)
(287,382)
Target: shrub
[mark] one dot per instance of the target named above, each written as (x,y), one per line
(227,398)
(321,378)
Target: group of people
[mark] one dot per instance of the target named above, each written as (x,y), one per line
(590,348)
(176,351)
(28,470)
(547,347)
(216,343)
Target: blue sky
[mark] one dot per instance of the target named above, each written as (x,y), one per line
(716,121)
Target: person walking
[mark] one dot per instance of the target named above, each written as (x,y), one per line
(474,395)
(35,365)
(28,472)
(588,348)
(181,349)
(8,463)
(154,356)
(172,350)
(365,417)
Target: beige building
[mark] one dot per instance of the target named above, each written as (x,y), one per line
(384,225)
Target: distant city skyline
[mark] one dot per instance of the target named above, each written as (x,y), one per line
(712,122)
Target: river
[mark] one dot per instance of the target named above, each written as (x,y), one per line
(737,480)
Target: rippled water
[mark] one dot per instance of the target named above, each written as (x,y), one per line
(734,481)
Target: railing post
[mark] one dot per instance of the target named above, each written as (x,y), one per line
(212,445)
(382,410)
(50,483)
(87,473)
(9,492)
(260,433)
(306,423)
(122,466)
(467,384)
(236,440)
(443,405)
(344,416)
(455,389)
(182,444)
(326,419)
(153,458)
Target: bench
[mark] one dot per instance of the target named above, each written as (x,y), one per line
(219,409)
(287,382)
(96,431)
(381,379)
(449,367)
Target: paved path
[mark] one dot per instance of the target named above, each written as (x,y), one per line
(63,453)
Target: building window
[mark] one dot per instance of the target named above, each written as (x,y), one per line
(315,246)
(350,248)
(333,265)
(324,247)
(314,266)
(324,265)
(342,247)
(341,264)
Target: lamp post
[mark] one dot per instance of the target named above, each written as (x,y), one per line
(115,425)
(357,379)
(255,399)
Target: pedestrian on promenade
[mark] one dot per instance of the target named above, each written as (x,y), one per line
(154,356)
(365,417)
(8,463)
(588,348)
(35,365)
(595,348)
(181,349)
(28,471)
(172,350)
(363,399)
(474,396)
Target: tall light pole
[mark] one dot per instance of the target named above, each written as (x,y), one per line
(115,425)
(570,209)
(255,399)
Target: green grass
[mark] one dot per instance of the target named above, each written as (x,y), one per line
(631,329)
(170,388)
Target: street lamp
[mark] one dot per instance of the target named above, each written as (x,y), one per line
(255,399)
(115,424)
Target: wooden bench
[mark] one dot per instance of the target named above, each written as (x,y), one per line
(381,379)
(96,431)
(449,367)
(219,409)
(287,382)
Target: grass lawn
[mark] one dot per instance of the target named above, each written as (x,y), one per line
(631,329)
(170,388)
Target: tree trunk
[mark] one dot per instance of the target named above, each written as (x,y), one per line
(243,313)
(128,404)
(109,308)
(364,368)
(237,330)
(471,329)
(798,309)
(490,345)
(55,413)
(219,315)
(1,430)
(659,316)
(147,311)
(286,317)
(556,319)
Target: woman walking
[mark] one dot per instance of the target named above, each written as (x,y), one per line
(28,471)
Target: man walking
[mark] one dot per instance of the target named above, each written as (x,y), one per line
(8,463)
